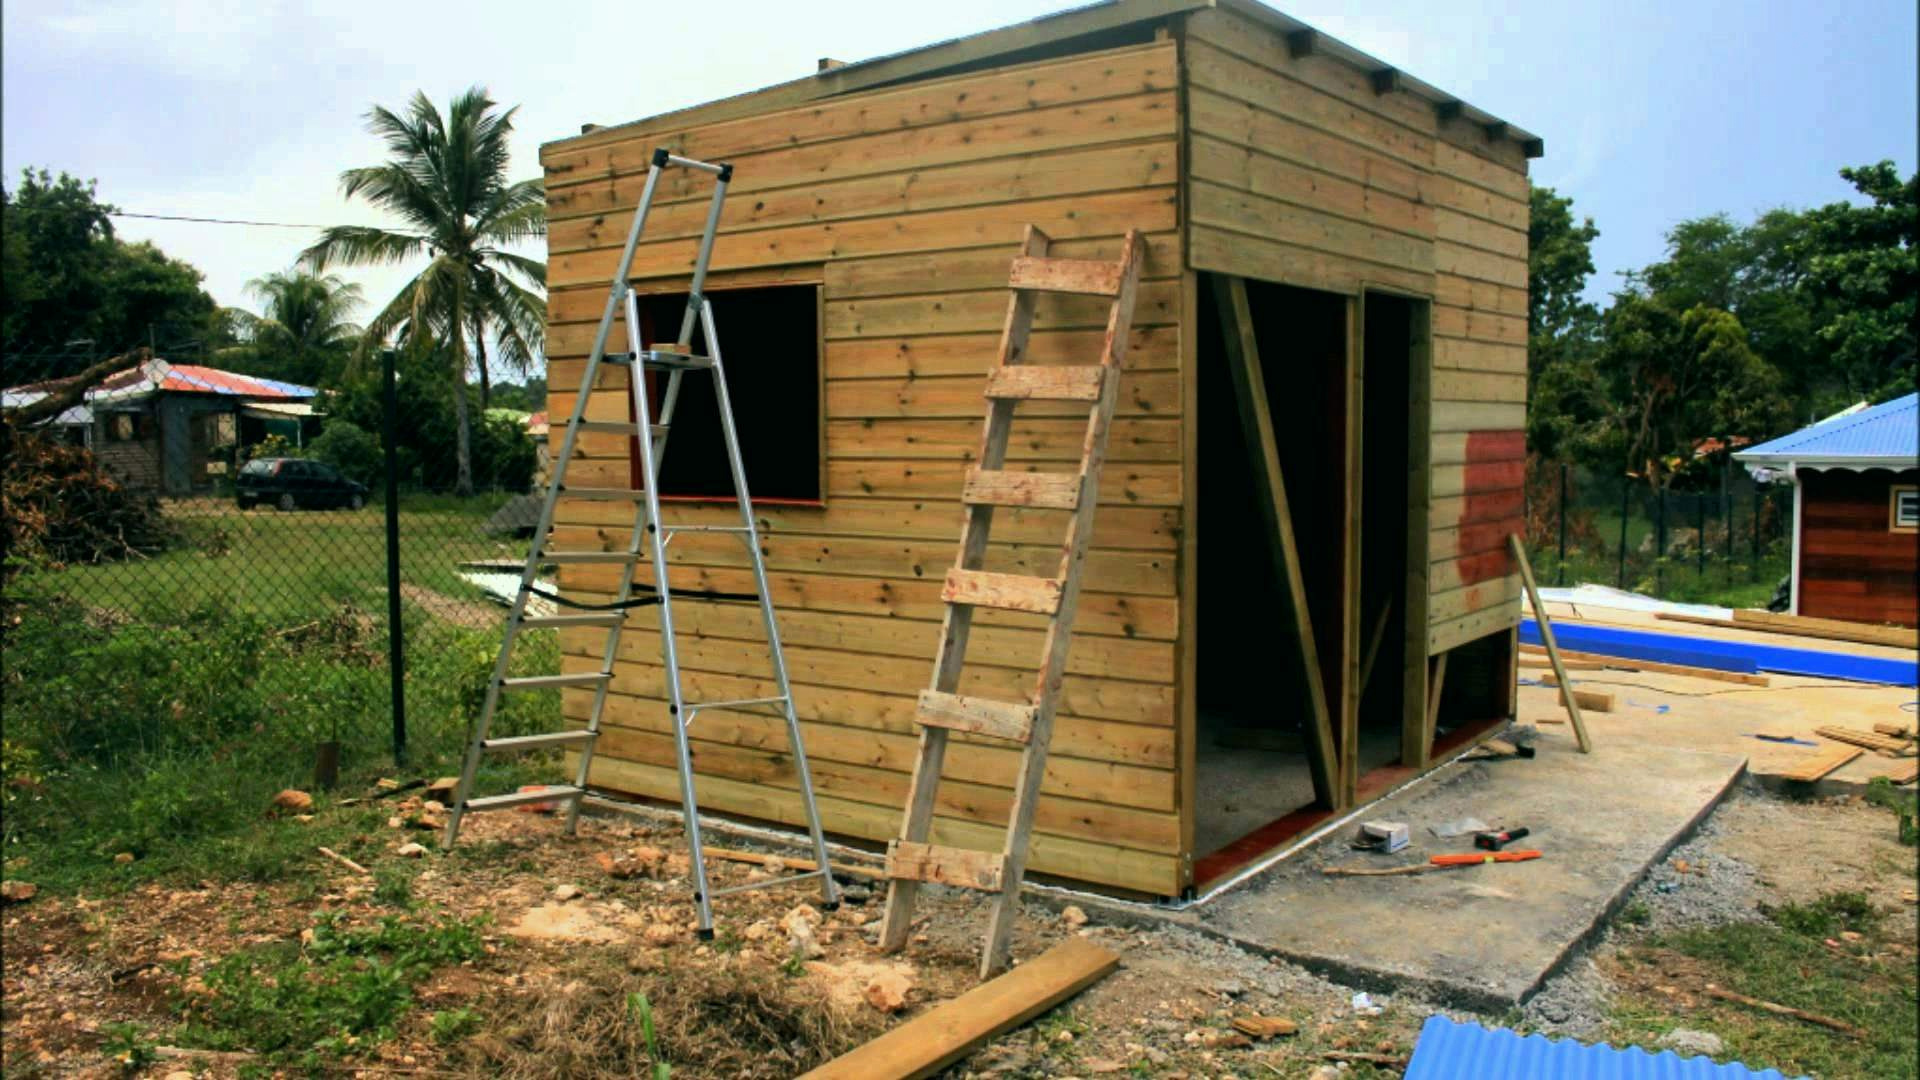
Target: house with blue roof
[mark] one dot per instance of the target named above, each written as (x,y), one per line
(1856,512)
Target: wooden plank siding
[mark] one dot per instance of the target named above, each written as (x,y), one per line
(905,206)
(1300,173)
(1853,564)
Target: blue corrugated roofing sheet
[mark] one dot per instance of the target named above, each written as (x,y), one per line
(1889,431)
(1450,1051)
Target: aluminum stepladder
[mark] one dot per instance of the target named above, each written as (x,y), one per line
(911,859)
(649,539)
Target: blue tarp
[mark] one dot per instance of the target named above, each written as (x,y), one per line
(1742,656)
(1450,1051)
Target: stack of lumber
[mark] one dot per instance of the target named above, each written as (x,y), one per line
(1886,745)
(1768,622)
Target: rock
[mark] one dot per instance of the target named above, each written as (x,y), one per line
(845,984)
(801,940)
(1687,1042)
(410,850)
(804,913)
(1230,987)
(1073,917)
(1102,1066)
(1324,1072)
(650,860)
(16,892)
(563,922)
(1265,1027)
(433,806)
(887,990)
(179,1074)
(616,865)
(564,893)
(396,822)
(387,783)
(123,858)
(855,893)
(759,931)
(443,788)
(293,801)
(660,935)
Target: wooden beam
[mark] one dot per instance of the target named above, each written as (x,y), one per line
(1416,735)
(1302,43)
(1621,663)
(1433,697)
(1590,700)
(1270,503)
(1373,646)
(1385,80)
(1819,764)
(1449,110)
(1350,580)
(1546,638)
(1766,622)
(1496,131)
(943,1035)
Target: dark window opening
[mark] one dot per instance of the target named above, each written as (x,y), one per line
(770,344)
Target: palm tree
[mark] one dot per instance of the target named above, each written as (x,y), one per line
(446,180)
(306,328)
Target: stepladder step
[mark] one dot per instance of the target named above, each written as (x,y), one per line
(976,716)
(550,793)
(1024,382)
(537,742)
(587,558)
(1088,277)
(543,682)
(619,427)
(567,622)
(604,494)
(1000,487)
(941,865)
(1009,592)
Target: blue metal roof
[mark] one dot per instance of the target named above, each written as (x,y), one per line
(1887,434)
(1450,1051)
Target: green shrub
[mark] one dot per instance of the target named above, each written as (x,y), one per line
(350,449)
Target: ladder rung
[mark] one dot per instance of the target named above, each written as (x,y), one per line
(534,742)
(550,793)
(946,865)
(1013,592)
(999,487)
(978,716)
(769,883)
(561,558)
(621,358)
(1024,382)
(706,528)
(541,682)
(627,494)
(1089,277)
(619,427)
(695,706)
(667,359)
(562,622)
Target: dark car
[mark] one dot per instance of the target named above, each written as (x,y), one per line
(296,483)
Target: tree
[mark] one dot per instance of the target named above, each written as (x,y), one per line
(1562,326)
(446,180)
(1862,278)
(1673,377)
(304,333)
(69,278)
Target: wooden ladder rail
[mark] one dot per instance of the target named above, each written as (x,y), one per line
(911,859)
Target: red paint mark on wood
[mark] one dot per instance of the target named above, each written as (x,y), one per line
(1488,535)
(1494,476)
(1487,445)
(1484,567)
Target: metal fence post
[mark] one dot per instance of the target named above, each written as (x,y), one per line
(1560,575)
(1660,539)
(1626,493)
(396,648)
(1700,534)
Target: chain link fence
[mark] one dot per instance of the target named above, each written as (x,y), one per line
(1722,538)
(280,620)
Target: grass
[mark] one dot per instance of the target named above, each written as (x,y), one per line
(154,707)
(285,566)
(1794,959)
(344,989)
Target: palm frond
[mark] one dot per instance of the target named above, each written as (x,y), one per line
(361,245)
(531,269)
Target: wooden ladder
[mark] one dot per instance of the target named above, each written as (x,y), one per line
(942,710)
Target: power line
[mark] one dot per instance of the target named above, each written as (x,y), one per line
(10,210)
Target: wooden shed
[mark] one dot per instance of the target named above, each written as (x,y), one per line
(1376,228)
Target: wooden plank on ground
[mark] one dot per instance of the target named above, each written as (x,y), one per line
(1531,661)
(1817,765)
(1832,629)
(948,1032)
(1898,731)
(1625,664)
(1596,700)
(1884,744)
(1859,635)
(1903,773)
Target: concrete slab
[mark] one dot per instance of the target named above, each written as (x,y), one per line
(1486,936)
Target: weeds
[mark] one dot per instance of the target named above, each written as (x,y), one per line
(128,1046)
(638,1006)
(451,1025)
(1904,804)
(1826,916)
(347,989)
(393,886)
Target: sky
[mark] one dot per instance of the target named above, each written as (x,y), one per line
(1652,111)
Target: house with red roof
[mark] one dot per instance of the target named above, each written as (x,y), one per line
(170,428)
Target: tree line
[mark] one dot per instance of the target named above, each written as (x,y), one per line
(1741,333)
(73,291)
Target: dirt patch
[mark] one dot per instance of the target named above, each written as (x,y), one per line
(468,613)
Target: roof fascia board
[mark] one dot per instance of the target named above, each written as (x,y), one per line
(1828,461)
(1328,45)
(917,62)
